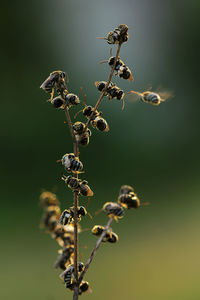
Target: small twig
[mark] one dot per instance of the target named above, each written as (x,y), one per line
(86,126)
(105,89)
(76,153)
(95,250)
(76,293)
(76,289)
(69,122)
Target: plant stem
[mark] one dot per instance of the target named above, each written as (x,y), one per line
(95,250)
(76,153)
(105,89)
(76,244)
(76,293)
(71,130)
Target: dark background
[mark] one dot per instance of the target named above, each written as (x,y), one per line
(155,149)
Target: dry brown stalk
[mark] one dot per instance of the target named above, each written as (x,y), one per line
(127,198)
(98,243)
(76,153)
(104,91)
(76,202)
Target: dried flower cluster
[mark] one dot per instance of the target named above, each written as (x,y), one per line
(64,226)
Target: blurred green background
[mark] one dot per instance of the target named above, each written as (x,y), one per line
(155,149)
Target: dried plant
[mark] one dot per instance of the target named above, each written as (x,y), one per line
(64,227)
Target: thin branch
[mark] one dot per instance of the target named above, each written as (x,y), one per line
(76,153)
(76,289)
(76,202)
(105,89)
(76,293)
(95,250)
(69,122)
(86,126)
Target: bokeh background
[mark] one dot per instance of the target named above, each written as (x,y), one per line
(155,149)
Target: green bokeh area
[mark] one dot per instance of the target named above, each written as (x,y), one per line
(155,149)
